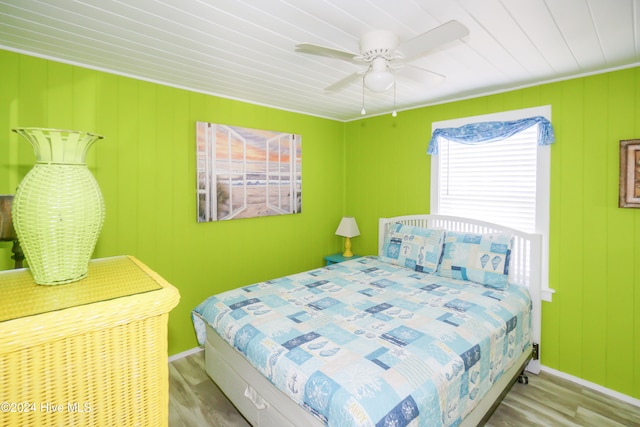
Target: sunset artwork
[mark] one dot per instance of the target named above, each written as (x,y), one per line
(246,173)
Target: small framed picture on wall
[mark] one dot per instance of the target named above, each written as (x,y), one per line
(629,174)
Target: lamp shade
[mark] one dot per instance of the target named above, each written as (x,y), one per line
(348,227)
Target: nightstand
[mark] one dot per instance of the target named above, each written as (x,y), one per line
(336,258)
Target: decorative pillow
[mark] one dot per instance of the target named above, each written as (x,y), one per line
(414,247)
(479,258)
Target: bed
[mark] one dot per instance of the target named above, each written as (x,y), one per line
(433,330)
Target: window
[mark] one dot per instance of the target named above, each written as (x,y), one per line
(505,181)
(493,182)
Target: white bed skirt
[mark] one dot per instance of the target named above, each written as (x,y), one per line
(264,405)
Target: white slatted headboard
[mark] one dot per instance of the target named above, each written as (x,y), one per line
(524,267)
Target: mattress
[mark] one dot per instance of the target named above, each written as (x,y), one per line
(365,342)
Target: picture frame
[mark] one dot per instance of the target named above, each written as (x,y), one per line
(629,174)
(246,173)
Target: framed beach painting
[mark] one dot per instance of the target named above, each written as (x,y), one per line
(629,174)
(246,173)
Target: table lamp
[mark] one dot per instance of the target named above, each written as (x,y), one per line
(347,228)
(7,232)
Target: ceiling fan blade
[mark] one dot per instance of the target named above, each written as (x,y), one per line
(314,49)
(420,75)
(342,83)
(441,35)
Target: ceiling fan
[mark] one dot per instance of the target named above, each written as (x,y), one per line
(385,56)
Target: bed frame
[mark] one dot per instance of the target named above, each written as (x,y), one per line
(262,404)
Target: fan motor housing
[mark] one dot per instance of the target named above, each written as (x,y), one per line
(374,44)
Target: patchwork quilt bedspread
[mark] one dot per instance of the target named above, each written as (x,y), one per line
(368,343)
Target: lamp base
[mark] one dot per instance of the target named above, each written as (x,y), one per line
(347,248)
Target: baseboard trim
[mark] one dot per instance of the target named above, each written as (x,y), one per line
(593,386)
(186,353)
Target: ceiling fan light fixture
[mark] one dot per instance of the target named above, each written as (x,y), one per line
(379,77)
(378,81)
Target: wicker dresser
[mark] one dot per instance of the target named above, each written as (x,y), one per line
(88,353)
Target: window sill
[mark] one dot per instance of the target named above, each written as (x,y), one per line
(547,294)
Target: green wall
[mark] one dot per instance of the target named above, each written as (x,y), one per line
(367,168)
(145,167)
(591,330)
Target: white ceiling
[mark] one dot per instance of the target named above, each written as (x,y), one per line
(244,50)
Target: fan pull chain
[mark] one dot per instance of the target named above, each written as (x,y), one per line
(394,113)
(363,111)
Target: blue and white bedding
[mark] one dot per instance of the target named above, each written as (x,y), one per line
(371,343)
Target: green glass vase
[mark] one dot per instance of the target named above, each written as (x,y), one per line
(58,209)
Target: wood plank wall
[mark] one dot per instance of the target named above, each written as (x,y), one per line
(591,330)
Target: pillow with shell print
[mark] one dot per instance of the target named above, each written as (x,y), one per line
(413,247)
(479,258)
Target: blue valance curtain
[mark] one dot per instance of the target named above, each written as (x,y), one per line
(475,133)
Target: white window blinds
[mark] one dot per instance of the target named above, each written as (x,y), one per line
(493,182)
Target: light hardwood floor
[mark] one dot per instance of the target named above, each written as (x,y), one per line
(547,400)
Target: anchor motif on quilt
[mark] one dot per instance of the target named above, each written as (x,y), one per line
(406,249)
(292,384)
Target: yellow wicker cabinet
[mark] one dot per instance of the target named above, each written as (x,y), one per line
(88,353)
